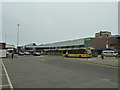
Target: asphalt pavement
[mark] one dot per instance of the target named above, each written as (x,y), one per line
(58,72)
(107,61)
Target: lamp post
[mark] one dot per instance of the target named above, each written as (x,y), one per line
(17,35)
(5,38)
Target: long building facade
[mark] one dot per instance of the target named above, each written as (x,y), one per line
(99,43)
(59,45)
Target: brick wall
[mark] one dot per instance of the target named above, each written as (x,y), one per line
(2,45)
(100,43)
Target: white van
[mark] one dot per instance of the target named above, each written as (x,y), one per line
(109,53)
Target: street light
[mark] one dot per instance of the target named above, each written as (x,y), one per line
(17,35)
(5,38)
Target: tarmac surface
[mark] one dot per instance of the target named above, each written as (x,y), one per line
(61,72)
(107,61)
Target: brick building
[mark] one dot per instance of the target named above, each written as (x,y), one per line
(102,34)
(2,45)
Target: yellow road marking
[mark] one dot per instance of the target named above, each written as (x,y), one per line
(109,66)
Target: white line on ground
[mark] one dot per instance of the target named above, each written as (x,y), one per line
(8,78)
(4,85)
(40,56)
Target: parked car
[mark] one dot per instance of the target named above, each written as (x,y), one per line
(36,54)
(31,52)
(118,54)
(16,52)
(20,53)
(109,53)
(26,53)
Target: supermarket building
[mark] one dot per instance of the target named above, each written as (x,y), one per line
(99,42)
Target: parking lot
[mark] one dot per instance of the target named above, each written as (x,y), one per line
(58,72)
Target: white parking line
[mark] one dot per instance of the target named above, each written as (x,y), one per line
(8,78)
(4,85)
(40,56)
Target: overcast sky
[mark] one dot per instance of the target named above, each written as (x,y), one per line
(47,22)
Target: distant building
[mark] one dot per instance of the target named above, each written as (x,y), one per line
(2,50)
(116,36)
(9,46)
(100,43)
(78,43)
(103,34)
(102,40)
(31,44)
(23,48)
(2,45)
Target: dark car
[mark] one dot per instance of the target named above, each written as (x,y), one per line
(118,54)
(16,52)
(36,54)
(20,53)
